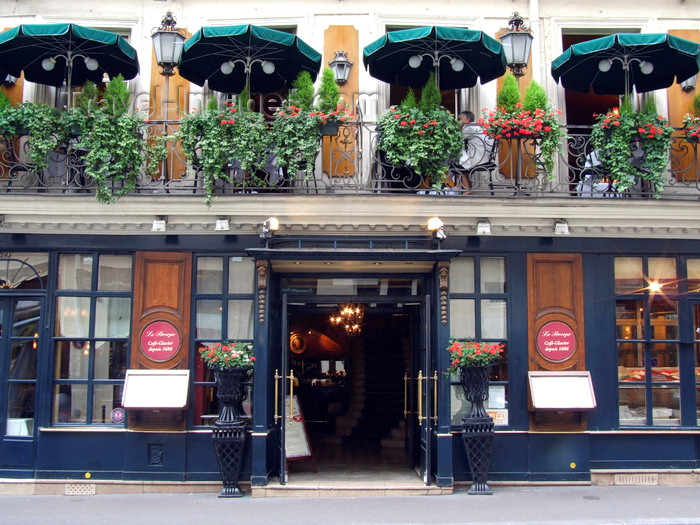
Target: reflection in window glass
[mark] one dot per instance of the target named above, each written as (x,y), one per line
(462,319)
(662,272)
(240,275)
(629,276)
(208,319)
(240,319)
(209,274)
(23,359)
(664,318)
(110,360)
(114,272)
(70,404)
(462,275)
(75,271)
(24,270)
(693,268)
(630,319)
(633,405)
(72,317)
(493,275)
(72,359)
(105,399)
(667,407)
(20,409)
(493,319)
(112,316)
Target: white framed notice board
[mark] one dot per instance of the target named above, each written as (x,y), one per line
(569,390)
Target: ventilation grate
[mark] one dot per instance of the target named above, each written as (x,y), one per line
(79,489)
(636,479)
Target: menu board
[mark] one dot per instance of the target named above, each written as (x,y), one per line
(296,440)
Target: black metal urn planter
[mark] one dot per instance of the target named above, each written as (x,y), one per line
(473,361)
(231,363)
(477,426)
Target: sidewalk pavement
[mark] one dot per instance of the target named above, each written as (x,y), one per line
(545,505)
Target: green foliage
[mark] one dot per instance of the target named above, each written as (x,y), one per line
(116,97)
(4,101)
(86,100)
(509,95)
(428,141)
(430,97)
(409,100)
(328,92)
(213,104)
(302,94)
(42,123)
(472,353)
(297,139)
(244,101)
(696,105)
(116,151)
(618,130)
(213,140)
(535,97)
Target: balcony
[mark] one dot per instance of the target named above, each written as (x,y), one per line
(350,163)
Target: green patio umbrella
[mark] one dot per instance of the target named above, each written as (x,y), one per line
(229,57)
(52,54)
(617,64)
(459,57)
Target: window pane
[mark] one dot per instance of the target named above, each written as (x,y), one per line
(20,409)
(493,319)
(666,410)
(112,316)
(107,398)
(664,318)
(26,317)
(632,405)
(693,267)
(23,360)
(240,275)
(208,319)
(240,319)
(205,405)
(664,362)
(628,274)
(462,319)
(493,275)
(496,404)
(75,272)
(72,359)
(26,271)
(110,359)
(72,317)
(697,400)
(70,404)
(630,355)
(462,275)
(662,271)
(630,319)
(209,274)
(114,272)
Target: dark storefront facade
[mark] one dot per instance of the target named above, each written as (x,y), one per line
(75,307)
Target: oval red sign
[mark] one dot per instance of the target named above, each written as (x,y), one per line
(160,341)
(556,341)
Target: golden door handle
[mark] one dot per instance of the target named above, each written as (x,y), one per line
(435,391)
(406,380)
(419,379)
(291,395)
(277,395)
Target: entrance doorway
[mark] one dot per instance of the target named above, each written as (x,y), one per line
(356,392)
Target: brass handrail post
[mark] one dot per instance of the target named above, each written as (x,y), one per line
(420,378)
(277,395)
(435,393)
(406,380)
(291,395)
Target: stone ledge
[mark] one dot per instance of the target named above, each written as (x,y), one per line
(72,487)
(685,477)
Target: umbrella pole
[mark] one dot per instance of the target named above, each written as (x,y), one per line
(69,78)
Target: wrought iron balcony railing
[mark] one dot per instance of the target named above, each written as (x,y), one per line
(351,163)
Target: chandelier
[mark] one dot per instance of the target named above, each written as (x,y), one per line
(349,317)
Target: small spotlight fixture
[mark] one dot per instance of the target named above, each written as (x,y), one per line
(483,227)
(222,225)
(561,227)
(160,224)
(270,226)
(435,226)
